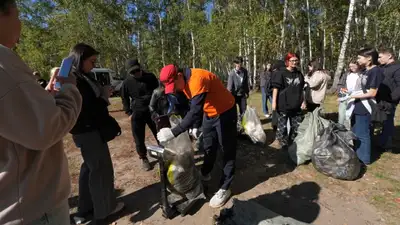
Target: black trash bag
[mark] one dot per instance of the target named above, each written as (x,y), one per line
(333,155)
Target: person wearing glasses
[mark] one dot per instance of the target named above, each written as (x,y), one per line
(136,92)
(288,100)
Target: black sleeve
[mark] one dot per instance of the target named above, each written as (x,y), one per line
(277,80)
(154,82)
(375,78)
(125,98)
(194,115)
(396,91)
(245,84)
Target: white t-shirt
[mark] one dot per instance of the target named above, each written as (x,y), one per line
(352,82)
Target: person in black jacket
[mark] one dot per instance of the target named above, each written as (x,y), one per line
(136,92)
(96,178)
(265,86)
(389,91)
(288,100)
(238,84)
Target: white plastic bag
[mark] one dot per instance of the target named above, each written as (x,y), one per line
(252,126)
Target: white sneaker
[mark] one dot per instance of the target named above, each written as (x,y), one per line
(206,177)
(267,116)
(220,198)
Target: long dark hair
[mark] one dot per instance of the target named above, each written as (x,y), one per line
(315,65)
(81,52)
(370,52)
(5,6)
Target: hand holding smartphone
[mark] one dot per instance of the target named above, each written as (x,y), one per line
(65,69)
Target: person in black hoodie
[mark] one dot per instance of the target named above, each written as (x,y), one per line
(96,178)
(136,92)
(288,100)
(389,91)
(238,84)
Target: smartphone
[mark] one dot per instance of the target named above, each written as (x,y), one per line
(65,69)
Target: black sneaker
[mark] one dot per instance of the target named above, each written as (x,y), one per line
(146,165)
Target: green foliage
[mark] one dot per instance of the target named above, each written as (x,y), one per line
(159,32)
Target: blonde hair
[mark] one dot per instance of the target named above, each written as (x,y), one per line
(52,71)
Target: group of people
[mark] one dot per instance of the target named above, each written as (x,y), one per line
(290,93)
(34,177)
(368,96)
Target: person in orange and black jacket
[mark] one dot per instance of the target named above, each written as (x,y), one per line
(212,101)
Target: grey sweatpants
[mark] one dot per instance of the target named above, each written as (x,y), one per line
(96,179)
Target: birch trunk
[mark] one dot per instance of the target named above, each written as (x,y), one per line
(254,64)
(162,40)
(283,29)
(309,30)
(366,21)
(342,54)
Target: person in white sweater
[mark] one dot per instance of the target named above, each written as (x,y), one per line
(34,177)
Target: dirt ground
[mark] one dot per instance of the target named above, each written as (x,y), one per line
(264,175)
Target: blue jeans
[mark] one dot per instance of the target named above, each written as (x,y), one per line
(264,100)
(385,139)
(361,128)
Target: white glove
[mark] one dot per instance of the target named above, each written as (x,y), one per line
(165,135)
(195,133)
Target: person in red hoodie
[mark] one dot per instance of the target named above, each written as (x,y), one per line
(207,94)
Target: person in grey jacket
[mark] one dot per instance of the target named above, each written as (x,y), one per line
(238,84)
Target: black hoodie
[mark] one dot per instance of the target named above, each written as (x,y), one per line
(290,86)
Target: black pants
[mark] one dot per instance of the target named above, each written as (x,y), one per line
(138,122)
(96,178)
(311,106)
(241,101)
(221,132)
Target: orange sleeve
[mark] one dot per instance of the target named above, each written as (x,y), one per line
(199,85)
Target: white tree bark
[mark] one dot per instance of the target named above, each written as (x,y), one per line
(254,63)
(193,50)
(366,21)
(240,47)
(309,29)
(162,39)
(342,54)
(283,28)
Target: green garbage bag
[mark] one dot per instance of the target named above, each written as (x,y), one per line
(301,149)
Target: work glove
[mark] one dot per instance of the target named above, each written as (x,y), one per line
(195,133)
(165,135)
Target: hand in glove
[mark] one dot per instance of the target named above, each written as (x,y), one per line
(165,135)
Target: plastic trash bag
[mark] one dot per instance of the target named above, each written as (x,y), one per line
(182,175)
(252,126)
(333,155)
(301,149)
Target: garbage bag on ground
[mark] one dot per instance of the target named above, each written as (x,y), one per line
(333,155)
(251,213)
(182,175)
(252,126)
(301,149)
